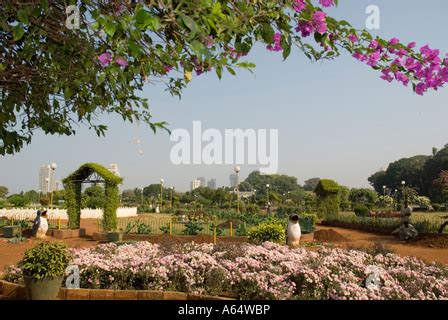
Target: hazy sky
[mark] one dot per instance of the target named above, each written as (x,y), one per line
(336,119)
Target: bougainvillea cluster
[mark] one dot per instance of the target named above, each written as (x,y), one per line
(267,271)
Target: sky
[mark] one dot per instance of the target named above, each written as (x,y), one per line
(335,119)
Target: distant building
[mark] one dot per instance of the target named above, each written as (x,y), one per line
(58,186)
(114,169)
(233,180)
(46,179)
(211,183)
(196,183)
(202,180)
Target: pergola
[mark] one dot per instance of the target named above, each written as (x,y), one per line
(92,173)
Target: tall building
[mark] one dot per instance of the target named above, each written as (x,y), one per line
(203,181)
(195,184)
(113,167)
(211,183)
(58,186)
(233,180)
(46,179)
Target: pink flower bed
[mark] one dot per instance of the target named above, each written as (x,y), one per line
(268,271)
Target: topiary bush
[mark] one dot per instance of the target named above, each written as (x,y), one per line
(361,210)
(193,228)
(327,192)
(45,261)
(269,230)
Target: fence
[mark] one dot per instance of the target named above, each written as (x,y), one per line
(158,226)
(30,213)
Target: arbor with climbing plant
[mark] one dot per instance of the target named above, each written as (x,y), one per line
(54,75)
(92,173)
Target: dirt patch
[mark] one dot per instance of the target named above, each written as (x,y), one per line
(431,240)
(329,235)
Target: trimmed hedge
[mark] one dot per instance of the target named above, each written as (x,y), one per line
(327,192)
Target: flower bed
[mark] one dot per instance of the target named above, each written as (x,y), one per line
(268,271)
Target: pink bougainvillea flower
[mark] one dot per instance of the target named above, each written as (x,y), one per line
(374,58)
(394,41)
(319,21)
(105,59)
(412,45)
(305,28)
(167,68)
(353,38)
(277,43)
(122,62)
(299,5)
(326,3)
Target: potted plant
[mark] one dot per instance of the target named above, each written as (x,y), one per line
(115,236)
(43,270)
(11,231)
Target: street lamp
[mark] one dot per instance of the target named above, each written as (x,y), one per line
(161,194)
(396,199)
(403,183)
(384,190)
(237,170)
(53,167)
(267,193)
(171,202)
(255,197)
(141,200)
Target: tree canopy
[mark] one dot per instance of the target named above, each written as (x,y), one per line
(55,76)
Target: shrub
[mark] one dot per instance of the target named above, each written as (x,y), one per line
(307,222)
(270,230)
(361,210)
(45,261)
(436,206)
(241,230)
(327,192)
(193,228)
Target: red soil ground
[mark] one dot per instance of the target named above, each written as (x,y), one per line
(12,253)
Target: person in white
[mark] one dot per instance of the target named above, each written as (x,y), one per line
(293,233)
(43,226)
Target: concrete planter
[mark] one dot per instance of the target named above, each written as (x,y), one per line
(11,231)
(114,236)
(47,289)
(68,233)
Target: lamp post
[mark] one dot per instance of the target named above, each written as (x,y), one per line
(267,193)
(237,170)
(161,194)
(53,167)
(403,183)
(141,199)
(384,191)
(255,197)
(396,199)
(171,201)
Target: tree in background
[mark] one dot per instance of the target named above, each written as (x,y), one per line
(17,200)
(363,196)
(278,183)
(432,170)
(311,184)
(3,192)
(94,197)
(441,187)
(54,77)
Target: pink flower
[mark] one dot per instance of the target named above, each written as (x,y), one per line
(105,59)
(121,62)
(319,21)
(277,45)
(326,3)
(394,41)
(353,38)
(299,5)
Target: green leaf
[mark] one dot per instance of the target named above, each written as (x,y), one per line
(109,27)
(23,16)
(231,71)
(17,32)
